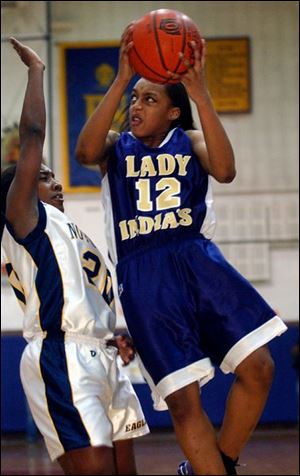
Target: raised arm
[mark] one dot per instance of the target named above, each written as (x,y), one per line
(21,208)
(213,147)
(96,139)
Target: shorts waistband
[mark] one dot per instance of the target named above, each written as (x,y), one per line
(73,337)
(81,338)
(169,241)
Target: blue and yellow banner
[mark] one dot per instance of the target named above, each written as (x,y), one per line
(88,70)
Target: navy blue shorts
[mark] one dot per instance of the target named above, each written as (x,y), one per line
(187,309)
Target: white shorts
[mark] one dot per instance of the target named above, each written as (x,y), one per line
(77,395)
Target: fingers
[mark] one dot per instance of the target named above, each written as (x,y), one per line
(197,53)
(127,33)
(193,66)
(126,43)
(185,61)
(203,53)
(13,41)
(174,76)
(127,28)
(127,355)
(16,44)
(128,46)
(125,342)
(27,55)
(127,359)
(126,349)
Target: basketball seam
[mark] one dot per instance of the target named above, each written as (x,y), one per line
(148,67)
(159,48)
(182,45)
(157,42)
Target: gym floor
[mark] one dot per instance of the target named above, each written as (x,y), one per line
(272,450)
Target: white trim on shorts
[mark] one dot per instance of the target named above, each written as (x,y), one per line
(251,342)
(201,371)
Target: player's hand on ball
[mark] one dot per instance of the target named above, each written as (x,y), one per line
(126,71)
(194,78)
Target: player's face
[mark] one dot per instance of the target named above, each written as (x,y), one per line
(50,191)
(150,112)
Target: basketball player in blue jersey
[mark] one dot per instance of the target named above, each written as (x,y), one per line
(86,410)
(186,308)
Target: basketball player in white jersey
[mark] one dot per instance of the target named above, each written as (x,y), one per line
(84,407)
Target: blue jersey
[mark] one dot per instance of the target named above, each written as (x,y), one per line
(186,308)
(157,193)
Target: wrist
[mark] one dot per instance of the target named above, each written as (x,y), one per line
(121,82)
(203,98)
(37,66)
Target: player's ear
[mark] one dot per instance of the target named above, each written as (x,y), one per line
(174,113)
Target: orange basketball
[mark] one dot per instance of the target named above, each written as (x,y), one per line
(158,38)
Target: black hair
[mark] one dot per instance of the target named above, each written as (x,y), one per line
(179,98)
(7,177)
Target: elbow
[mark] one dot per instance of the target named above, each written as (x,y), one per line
(227,175)
(228,172)
(82,156)
(85,154)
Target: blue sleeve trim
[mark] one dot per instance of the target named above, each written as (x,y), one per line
(36,232)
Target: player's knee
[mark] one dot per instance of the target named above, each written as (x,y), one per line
(265,371)
(184,404)
(258,369)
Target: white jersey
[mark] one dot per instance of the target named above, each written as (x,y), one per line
(76,392)
(59,278)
